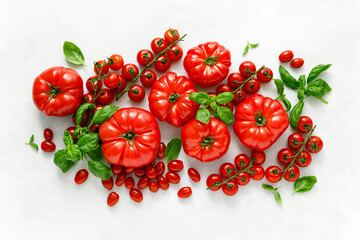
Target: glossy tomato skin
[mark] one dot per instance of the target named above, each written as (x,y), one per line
(71,130)
(163,183)
(257,172)
(69,85)
(247,68)
(97,84)
(169,99)
(205,141)
(207,64)
(285,156)
(116,62)
(160,168)
(252,86)
(136,126)
(106,96)
(151,171)
(273,174)
(212,179)
(248,128)
(235,80)
(136,93)
(162,63)
(295,141)
(98,67)
(143,182)
(286,56)
(148,79)
(144,57)
(305,124)
(194,174)
(155,45)
(129,71)
(241,161)
(116,169)
(112,199)
(139,172)
(303,159)
(171,35)
(175,53)
(136,195)
(172,177)
(175,165)
(265,75)
(239,96)
(292,174)
(314,144)
(229,105)
(153,187)
(161,150)
(258,157)
(227,170)
(242,178)
(120,180)
(81,176)
(112,80)
(108,184)
(230,188)
(129,182)
(184,192)
(48,134)
(87,98)
(223,88)
(48,146)
(128,170)
(297,63)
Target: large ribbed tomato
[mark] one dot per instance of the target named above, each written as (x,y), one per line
(169,99)
(260,121)
(130,138)
(57,91)
(207,64)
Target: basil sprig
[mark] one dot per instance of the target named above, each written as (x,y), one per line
(248,45)
(275,190)
(31,143)
(295,114)
(280,88)
(73,53)
(172,150)
(304,184)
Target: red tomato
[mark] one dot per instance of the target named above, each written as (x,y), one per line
(162,182)
(235,80)
(286,56)
(112,80)
(194,174)
(241,161)
(158,45)
(160,168)
(48,134)
(258,157)
(97,108)
(143,182)
(87,98)
(230,188)
(172,177)
(48,146)
(108,184)
(84,120)
(116,62)
(207,64)
(257,172)
(120,179)
(106,96)
(297,62)
(303,159)
(252,86)
(295,140)
(136,195)
(101,66)
(273,174)
(148,78)
(161,150)
(129,183)
(242,178)
(305,124)
(122,84)
(94,127)
(144,57)
(171,35)
(71,130)
(136,93)
(227,170)
(205,141)
(57,91)
(139,172)
(212,94)
(184,192)
(81,176)
(314,144)
(93,83)
(223,88)
(212,180)
(169,99)
(265,75)
(116,169)
(128,170)
(229,105)
(153,187)
(162,63)
(112,199)
(175,53)
(239,96)
(151,171)
(292,174)
(285,156)
(247,69)
(175,165)
(129,71)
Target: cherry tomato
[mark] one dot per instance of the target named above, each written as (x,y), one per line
(305,124)
(128,170)
(160,168)
(162,63)
(162,182)
(153,187)
(148,78)
(98,67)
(171,35)
(94,127)
(161,150)
(158,44)
(136,195)
(122,84)
(120,179)
(106,96)
(285,156)
(235,80)
(81,176)
(258,157)
(71,130)
(303,159)
(175,165)
(247,69)
(116,62)
(108,184)
(227,170)
(242,178)
(151,171)
(212,180)
(48,134)
(229,105)
(297,62)
(230,188)
(273,174)
(48,146)
(239,96)
(194,174)
(129,71)
(97,108)
(143,182)
(112,80)
(139,172)
(116,169)
(241,161)
(314,144)
(264,75)
(172,177)
(252,86)
(97,84)
(286,56)
(175,53)
(292,174)
(295,140)
(144,57)
(112,199)
(84,119)
(87,98)
(223,88)
(129,182)
(136,93)
(184,192)
(212,94)
(257,172)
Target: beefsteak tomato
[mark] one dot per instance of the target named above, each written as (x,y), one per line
(208,64)
(57,91)
(205,141)
(169,99)
(130,137)
(260,121)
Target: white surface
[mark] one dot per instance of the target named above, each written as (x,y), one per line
(37,201)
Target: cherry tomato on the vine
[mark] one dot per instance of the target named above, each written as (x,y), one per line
(242,178)
(129,71)
(94,127)
(136,195)
(305,124)
(97,108)
(265,75)
(175,165)
(158,45)
(112,199)
(161,150)
(292,174)
(116,62)
(144,57)
(235,80)
(84,120)
(108,184)
(247,69)
(239,96)
(295,140)
(230,188)
(122,84)
(81,176)
(223,88)
(229,105)
(297,62)
(175,53)
(252,86)
(257,172)
(48,134)
(153,187)
(172,177)
(241,161)
(101,66)
(136,93)
(258,157)
(96,84)
(303,159)
(184,192)
(119,181)
(48,146)
(212,180)
(314,144)
(160,168)
(162,63)
(227,170)
(286,56)
(71,130)
(116,169)
(112,80)
(148,78)
(162,182)
(171,35)
(285,156)
(273,174)
(194,174)
(106,96)
(87,98)
(129,182)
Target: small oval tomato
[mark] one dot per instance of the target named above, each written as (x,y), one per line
(136,93)
(223,88)
(112,80)
(194,174)
(136,195)
(160,168)
(162,182)
(116,62)
(112,199)
(87,98)
(184,192)
(286,56)
(81,176)
(305,124)
(129,71)
(257,172)
(116,169)
(128,170)
(314,144)
(241,161)
(295,140)
(158,45)
(242,178)
(229,105)
(48,134)
(175,53)
(235,80)
(247,69)
(151,171)
(106,96)
(148,78)
(139,172)
(93,83)
(101,66)
(129,182)
(153,187)
(297,62)
(230,188)
(239,96)
(273,174)
(292,174)
(175,165)
(108,184)
(171,35)
(285,156)
(71,130)
(303,159)
(144,57)
(48,146)
(258,157)
(227,170)
(172,177)
(143,182)
(212,180)
(162,63)
(161,150)
(252,86)
(264,75)
(119,181)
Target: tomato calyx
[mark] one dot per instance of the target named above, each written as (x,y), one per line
(54,91)
(210,60)
(207,142)
(260,119)
(129,136)
(173,97)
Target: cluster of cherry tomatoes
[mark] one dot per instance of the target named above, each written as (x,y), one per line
(287,56)
(48,145)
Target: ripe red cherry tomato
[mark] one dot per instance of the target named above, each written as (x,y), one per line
(171,35)
(247,69)
(94,127)
(175,53)
(223,88)
(227,170)
(81,176)
(285,156)
(153,187)
(84,120)
(303,159)
(139,172)
(172,177)
(273,174)
(71,130)
(112,80)
(136,93)
(230,188)
(292,174)
(258,157)
(314,144)
(160,168)
(48,146)
(87,98)
(106,96)
(128,170)
(265,75)
(162,63)
(116,169)
(241,161)
(143,182)
(98,67)
(257,172)
(286,56)
(184,192)
(162,182)
(116,62)
(129,182)
(305,124)
(120,179)
(158,45)
(151,171)
(108,184)
(112,199)
(122,84)
(97,108)
(242,178)
(129,71)
(175,165)
(229,105)
(136,195)
(194,174)
(148,78)
(252,86)
(297,62)
(48,134)
(235,80)
(239,96)
(161,150)
(97,84)
(295,140)
(144,57)
(212,180)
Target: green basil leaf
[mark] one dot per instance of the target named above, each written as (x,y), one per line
(225,115)
(213,105)
(254,45)
(100,170)
(104,114)
(96,155)
(89,142)
(301,94)
(302,81)
(279,86)
(67,138)
(224,97)
(268,187)
(73,153)
(81,110)
(203,115)
(278,197)
(77,133)
(246,49)
(172,150)
(200,98)
(31,143)
(73,53)
(295,114)
(318,88)
(61,161)
(287,103)
(289,80)
(32,139)
(316,71)
(304,184)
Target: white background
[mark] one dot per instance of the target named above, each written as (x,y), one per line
(37,201)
